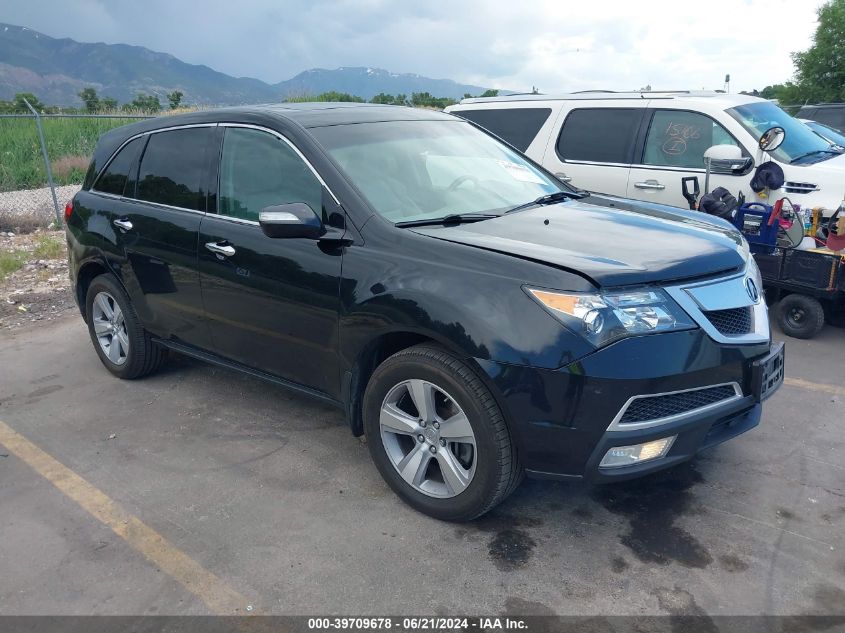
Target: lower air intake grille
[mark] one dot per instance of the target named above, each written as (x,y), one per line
(732,322)
(656,407)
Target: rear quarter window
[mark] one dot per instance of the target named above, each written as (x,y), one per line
(601,135)
(517,126)
(115,178)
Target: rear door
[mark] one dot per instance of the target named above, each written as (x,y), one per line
(273,303)
(595,147)
(674,148)
(158,229)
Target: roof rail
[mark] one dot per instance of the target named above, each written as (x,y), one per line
(599,94)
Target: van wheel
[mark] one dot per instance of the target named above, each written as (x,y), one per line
(437,435)
(800,316)
(124,347)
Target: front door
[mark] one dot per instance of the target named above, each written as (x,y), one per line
(272,303)
(674,149)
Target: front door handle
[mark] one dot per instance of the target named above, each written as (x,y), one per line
(220,249)
(650,184)
(123,225)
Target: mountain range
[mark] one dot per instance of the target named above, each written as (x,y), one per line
(56,69)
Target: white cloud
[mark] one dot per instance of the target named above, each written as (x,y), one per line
(554,45)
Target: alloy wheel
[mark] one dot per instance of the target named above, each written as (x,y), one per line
(110,328)
(428,438)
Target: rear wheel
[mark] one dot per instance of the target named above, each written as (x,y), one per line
(800,316)
(123,345)
(437,435)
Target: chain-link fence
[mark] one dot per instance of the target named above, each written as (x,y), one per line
(43,160)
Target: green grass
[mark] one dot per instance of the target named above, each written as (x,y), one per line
(49,247)
(10,261)
(21,163)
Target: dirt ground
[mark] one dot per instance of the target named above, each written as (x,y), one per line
(40,289)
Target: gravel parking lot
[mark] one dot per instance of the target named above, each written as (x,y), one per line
(267,502)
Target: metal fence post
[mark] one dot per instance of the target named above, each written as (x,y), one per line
(46,162)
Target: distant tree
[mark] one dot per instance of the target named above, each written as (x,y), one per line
(489,93)
(108,104)
(90,99)
(175,99)
(383,98)
(820,70)
(331,95)
(786,93)
(144,103)
(7,107)
(426,100)
(20,104)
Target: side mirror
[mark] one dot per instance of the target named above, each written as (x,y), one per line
(772,138)
(727,159)
(295,219)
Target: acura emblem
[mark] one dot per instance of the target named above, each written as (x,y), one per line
(751,289)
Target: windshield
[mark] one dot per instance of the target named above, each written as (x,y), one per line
(418,170)
(800,140)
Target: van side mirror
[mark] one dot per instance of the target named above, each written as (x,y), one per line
(295,219)
(727,159)
(772,138)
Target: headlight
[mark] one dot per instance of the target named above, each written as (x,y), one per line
(605,317)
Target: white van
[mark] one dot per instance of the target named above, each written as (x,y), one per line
(640,145)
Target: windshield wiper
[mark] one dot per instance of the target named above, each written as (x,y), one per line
(551,198)
(813,153)
(449,220)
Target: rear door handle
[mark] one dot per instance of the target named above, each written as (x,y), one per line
(650,184)
(122,224)
(221,249)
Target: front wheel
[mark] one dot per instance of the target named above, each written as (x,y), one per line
(437,435)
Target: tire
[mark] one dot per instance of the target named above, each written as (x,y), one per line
(800,316)
(482,473)
(123,345)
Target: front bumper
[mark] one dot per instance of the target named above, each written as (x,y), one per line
(560,418)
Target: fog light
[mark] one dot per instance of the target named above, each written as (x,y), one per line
(637,453)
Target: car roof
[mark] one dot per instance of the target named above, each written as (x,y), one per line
(304,115)
(712,97)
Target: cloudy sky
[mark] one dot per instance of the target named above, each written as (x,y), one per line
(556,45)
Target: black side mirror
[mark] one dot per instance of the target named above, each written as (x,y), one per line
(738,167)
(295,219)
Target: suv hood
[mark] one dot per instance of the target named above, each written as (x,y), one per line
(610,246)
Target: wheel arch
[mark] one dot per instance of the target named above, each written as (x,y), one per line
(88,271)
(383,346)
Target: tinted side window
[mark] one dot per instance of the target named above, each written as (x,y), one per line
(259,170)
(173,168)
(834,117)
(677,138)
(116,175)
(602,135)
(517,126)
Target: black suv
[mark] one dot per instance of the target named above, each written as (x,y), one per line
(475,317)
(829,114)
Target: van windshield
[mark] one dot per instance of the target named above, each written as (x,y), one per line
(801,144)
(419,170)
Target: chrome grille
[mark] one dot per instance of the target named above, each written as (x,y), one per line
(732,322)
(647,408)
